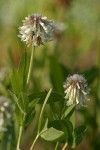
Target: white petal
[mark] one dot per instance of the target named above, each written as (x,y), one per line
(85,93)
(78,85)
(74,93)
(27,30)
(70,102)
(69,90)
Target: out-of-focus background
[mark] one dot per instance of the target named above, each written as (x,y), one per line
(75,49)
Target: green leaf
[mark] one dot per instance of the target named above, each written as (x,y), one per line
(62,125)
(23,101)
(30,112)
(80,130)
(19,111)
(19,77)
(51,134)
(56,74)
(23,68)
(54,97)
(17,102)
(29,117)
(44,125)
(54,110)
(77,136)
(17,83)
(68,111)
(32,103)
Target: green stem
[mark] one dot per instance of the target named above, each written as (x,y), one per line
(40,119)
(42,110)
(56,147)
(30,66)
(36,139)
(34,142)
(19,137)
(65,145)
(20,133)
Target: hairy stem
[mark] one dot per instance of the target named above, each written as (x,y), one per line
(34,142)
(30,66)
(65,145)
(56,147)
(19,137)
(42,110)
(20,133)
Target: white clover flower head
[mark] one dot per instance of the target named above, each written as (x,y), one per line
(36,30)
(5,112)
(76,90)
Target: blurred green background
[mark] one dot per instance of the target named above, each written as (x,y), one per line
(76,49)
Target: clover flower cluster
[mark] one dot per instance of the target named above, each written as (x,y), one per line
(76,90)
(5,112)
(36,30)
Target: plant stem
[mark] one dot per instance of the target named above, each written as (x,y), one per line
(56,147)
(20,133)
(42,110)
(30,65)
(19,137)
(65,145)
(34,142)
(40,119)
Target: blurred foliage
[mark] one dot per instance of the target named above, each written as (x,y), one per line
(75,50)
